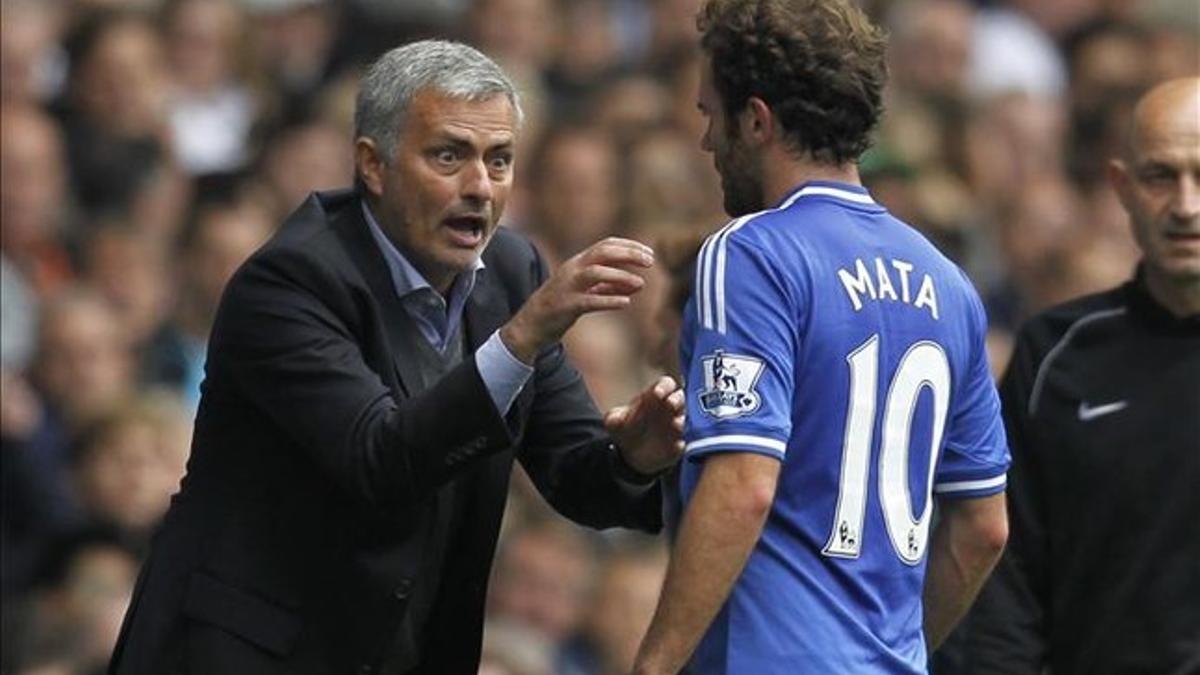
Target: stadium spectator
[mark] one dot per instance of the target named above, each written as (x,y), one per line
(543,580)
(222,236)
(32,62)
(668,184)
(83,366)
(293,45)
(128,463)
(930,49)
(117,119)
(213,103)
(33,197)
(84,362)
(69,624)
(130,270)
(575,190)
(625,597)
(300,158)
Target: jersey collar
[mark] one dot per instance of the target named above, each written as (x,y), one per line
(845,192)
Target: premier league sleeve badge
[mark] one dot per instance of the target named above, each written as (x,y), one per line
(729,381)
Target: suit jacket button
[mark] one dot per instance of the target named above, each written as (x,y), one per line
(402,589)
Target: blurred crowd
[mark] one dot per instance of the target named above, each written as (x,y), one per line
(148,147)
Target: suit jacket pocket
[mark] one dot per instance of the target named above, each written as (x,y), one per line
(251,618)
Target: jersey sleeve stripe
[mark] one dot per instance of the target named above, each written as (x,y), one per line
(719,241)
(735,440)
(968,485)
(706,264)
(720,272)
(698,285)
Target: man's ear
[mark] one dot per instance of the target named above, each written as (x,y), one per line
(369,165)
(1121,180)
(758,122)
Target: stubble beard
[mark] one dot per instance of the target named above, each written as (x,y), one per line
(740,182)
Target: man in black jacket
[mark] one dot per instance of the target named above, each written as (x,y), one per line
(372,374)
(1102,572)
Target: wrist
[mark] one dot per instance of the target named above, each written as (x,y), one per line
(629,473)
(518,342)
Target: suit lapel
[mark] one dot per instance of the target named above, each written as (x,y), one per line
(487,309)
(365,253)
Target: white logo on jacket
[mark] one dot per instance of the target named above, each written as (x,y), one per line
(1088,413)
(729,381)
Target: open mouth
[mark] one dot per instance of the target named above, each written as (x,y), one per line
(1184,237)
(466,231)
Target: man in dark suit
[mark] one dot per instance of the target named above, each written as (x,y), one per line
(372,374)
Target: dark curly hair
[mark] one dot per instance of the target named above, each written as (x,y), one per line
(818,64)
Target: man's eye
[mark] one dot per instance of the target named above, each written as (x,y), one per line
(501,162)
(445,156)
(1157,176)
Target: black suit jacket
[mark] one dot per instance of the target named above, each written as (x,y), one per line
(302,528)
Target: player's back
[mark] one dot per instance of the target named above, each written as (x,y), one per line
(833,336)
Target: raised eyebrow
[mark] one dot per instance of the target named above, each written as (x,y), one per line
(465,143)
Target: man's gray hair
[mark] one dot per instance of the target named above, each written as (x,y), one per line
(451,68)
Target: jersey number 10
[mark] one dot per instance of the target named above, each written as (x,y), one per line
(923,365)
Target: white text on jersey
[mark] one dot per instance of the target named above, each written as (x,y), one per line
(879,286)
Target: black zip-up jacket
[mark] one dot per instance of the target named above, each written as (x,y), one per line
(1102,571)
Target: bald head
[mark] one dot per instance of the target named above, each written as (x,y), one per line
(1158,182)
(1168,113)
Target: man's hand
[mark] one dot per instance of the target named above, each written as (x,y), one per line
(649,430)
(600,278)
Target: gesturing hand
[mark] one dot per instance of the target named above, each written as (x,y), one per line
(649,430)
(600,278)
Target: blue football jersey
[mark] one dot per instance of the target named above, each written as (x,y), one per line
(830,335)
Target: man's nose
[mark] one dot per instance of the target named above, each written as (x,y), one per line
(476,183)
(1187,205)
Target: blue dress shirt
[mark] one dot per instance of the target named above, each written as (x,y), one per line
(502,373)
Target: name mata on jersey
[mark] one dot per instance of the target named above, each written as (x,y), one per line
(729,379)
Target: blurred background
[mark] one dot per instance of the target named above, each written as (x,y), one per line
(149,147)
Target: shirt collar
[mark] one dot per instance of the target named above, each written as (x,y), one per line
(406,279)
(846,192)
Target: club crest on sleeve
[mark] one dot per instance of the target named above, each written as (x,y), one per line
(729,382)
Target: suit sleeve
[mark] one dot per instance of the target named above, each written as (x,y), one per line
(285,339)
(569,456)
(1008,624)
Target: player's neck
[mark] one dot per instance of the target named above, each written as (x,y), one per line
(784,174)
(1180,297)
